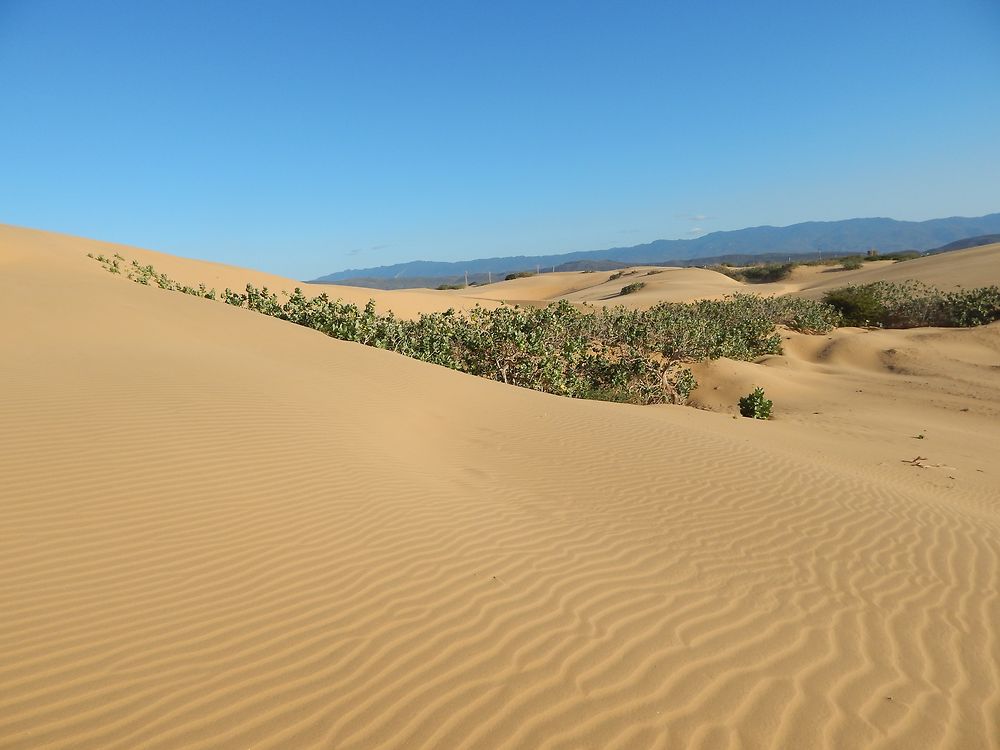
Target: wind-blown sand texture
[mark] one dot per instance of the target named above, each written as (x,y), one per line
(225,531)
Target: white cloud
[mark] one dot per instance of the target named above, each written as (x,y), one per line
(373,248)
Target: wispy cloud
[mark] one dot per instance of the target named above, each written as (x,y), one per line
(373,248)
(694,217)
(695,232)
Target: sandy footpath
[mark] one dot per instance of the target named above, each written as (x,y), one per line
(220,530)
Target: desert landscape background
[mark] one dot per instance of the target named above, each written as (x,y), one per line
(221,530)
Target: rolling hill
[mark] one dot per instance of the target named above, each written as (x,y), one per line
(847,236)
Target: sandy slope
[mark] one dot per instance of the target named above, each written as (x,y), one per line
(976,266)
(16,241)
(223,531)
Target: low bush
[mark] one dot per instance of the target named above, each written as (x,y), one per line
(762,274)
(631,288)
(755,405)
(852,263)
(768,273)
(518,275)
(912,304)
(443,287)
(900,256)
(618,274)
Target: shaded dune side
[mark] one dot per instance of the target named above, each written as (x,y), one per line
(222,530)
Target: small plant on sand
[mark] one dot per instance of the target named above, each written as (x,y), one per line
(852,263)
(755,405)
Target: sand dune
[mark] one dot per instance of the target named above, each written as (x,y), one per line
(973,267)
(224,531)
(405,303)
(977,266)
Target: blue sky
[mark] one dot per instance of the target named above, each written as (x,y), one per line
(307,137)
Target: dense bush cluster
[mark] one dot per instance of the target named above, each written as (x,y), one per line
(609,353)
(761,274)
(518,275)
(911,304)
(631,288)
(635,356)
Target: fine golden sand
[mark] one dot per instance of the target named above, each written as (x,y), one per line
(220,530)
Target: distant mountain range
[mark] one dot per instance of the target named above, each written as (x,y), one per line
(841,237)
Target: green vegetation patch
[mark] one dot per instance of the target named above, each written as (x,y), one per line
(518,275)
(611,353)
(633,356)
(762,274)
(631,288)
(756,405)
(912,304)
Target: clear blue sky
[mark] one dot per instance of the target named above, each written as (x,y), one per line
(307,137)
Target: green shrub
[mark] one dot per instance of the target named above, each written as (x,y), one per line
(900,256)
(631,288)
(760,274)
(442,287)
(912,304)
(857,305)
(802,315)
(852,263)
(635,356)
(768,273)
(518,275)
(755,405)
